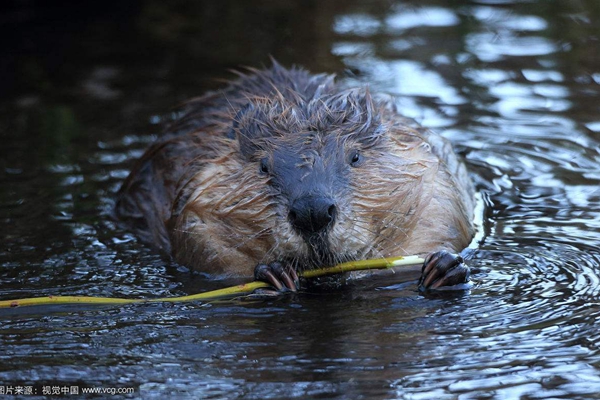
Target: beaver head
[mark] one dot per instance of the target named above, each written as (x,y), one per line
(305,153)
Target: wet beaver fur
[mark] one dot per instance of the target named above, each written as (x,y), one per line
(283,170)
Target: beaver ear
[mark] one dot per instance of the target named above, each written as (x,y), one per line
(247,130)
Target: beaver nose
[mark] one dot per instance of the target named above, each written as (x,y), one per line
(312,214)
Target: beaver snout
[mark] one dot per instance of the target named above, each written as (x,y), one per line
(312,214)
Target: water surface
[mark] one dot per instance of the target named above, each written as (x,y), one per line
(514,85)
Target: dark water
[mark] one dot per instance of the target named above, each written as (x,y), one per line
(514,85)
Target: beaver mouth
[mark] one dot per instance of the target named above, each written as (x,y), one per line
(320,253)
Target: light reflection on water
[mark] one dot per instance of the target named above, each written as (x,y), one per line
(519,101)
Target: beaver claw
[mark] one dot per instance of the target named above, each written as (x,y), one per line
(283,278)
(443,270)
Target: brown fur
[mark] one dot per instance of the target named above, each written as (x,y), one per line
(199,194)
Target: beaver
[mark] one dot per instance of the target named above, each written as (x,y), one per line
(283,170)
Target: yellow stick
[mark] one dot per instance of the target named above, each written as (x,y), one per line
(379,263)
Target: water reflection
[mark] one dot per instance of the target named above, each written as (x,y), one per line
(514,86)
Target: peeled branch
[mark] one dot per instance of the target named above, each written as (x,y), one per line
(233,291)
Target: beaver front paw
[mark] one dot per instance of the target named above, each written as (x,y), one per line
(443,270)
(283,278)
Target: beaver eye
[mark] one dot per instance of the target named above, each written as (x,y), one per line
(264,166)
(355,158)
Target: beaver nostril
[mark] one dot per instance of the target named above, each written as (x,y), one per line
(292,216)
(331,211)
(310,214)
